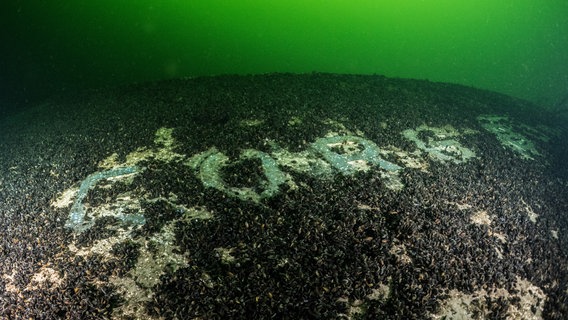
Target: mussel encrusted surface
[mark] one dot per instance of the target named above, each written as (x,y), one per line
(314,196)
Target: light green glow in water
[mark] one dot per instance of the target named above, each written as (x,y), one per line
(518,47)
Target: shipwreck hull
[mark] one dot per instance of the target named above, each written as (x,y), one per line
(289,196)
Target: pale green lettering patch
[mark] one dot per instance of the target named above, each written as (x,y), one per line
(513,136)
(440,143)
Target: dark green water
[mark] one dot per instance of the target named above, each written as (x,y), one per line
(516,47)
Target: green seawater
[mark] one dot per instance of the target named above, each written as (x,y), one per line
(516,47)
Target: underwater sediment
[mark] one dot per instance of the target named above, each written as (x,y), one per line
(291,196)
